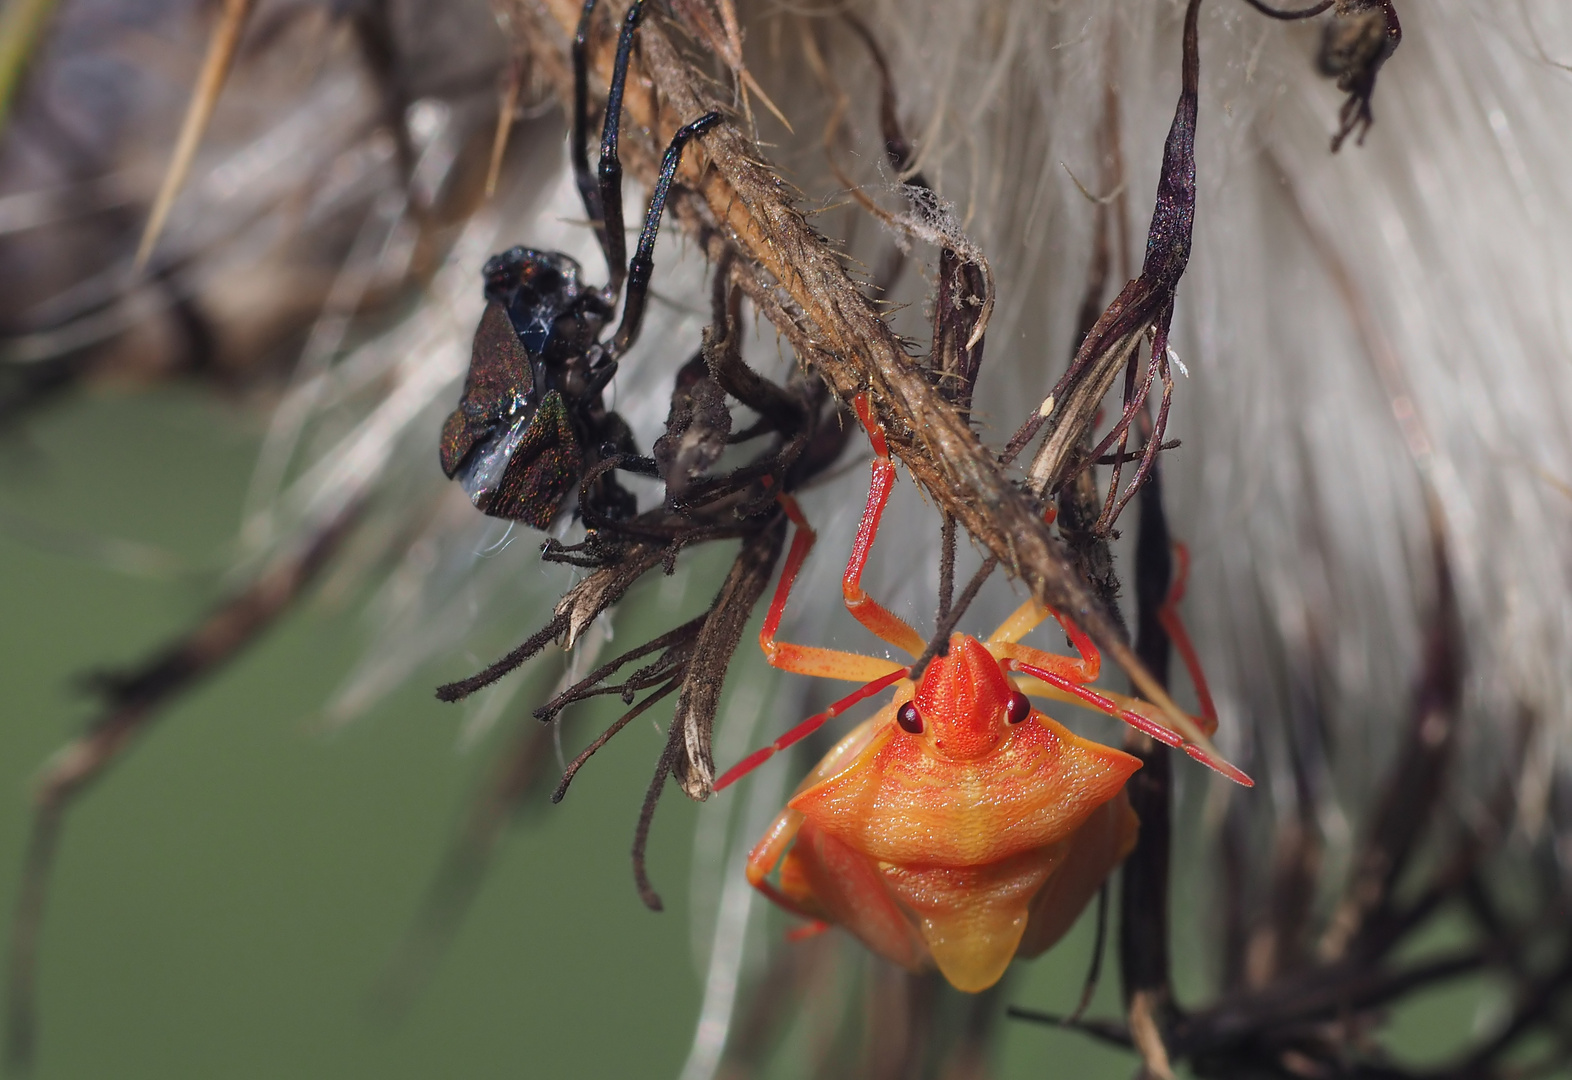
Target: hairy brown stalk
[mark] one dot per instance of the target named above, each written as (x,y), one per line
(729,614)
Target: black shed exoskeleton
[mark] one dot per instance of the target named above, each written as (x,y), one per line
(532,421)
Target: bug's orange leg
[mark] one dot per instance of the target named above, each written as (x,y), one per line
(1142,723)
(803,933)
(1083,668)
(810,659)
(864,608)
(767,853)
(1022,621)
(806,728)
(1168,617)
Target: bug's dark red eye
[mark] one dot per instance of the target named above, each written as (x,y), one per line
(907,717)
(1017,708)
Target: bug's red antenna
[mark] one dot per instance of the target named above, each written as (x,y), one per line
(1203,752)
(806,728)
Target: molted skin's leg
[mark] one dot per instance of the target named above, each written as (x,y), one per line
(610,164)
(866,610)
(588,192)
(1099,845)
(643,264)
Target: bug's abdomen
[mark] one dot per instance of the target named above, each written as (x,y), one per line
(969,921)
(1099,845)
(973,917)
(844,886)
(539,471)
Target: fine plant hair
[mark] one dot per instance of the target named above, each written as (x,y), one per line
(1340,375)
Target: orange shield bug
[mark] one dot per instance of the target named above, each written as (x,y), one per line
(958,827)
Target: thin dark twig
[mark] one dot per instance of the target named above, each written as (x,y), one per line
(1143,913)
(896,146)
(1105,519)
(1153,441)
(463,688)
(641,833)
(1290,16)
(651,674)
(1135,455)
(946,568)
(1094,973)
(1346,988)
(897,151)
(1101,1030)
(1541,998)
(939,643)
(582,689)
(1417,781)
(671,686)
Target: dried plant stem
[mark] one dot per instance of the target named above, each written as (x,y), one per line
(22,28)
(1143,917)
(606,736)
(204,98)
(700,698)
(641,833)
(507,110)
(800,285)
(135,700)
(455,885)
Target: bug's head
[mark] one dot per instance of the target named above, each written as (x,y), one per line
(537,289)
(964,707)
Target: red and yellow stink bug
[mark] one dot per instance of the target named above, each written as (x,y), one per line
(958,827)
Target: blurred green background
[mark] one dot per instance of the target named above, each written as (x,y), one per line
(229,892)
